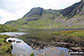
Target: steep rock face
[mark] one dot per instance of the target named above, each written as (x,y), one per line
(34,11)
(77,8)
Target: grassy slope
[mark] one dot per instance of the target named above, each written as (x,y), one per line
(49,20)
(44,22)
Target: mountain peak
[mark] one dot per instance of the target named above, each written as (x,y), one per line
(35,11)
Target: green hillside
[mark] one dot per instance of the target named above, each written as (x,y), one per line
(39,18)
(36,21)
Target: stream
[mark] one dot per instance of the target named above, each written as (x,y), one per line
(21,48)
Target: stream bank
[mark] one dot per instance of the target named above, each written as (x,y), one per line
(5,48)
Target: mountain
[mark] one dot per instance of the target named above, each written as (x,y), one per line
(36,18)
(39,18)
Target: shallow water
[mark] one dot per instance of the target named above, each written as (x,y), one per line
(54,51)
(20,48)
(25,50)
(14,33)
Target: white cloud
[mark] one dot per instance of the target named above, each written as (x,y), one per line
(6,16)
(14,9)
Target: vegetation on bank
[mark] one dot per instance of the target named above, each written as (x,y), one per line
(4,28)
(5,48)
(71,36)
(32,54)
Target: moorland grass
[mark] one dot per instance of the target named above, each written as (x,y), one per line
(5,48)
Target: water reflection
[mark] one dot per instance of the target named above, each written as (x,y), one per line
(14,33)
(21,48)
(54,51)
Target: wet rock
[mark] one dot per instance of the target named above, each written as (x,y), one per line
(76,48)
(40,44)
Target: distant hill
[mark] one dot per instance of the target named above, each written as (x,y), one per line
(40,18)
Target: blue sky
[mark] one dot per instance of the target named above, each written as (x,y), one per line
(15,9)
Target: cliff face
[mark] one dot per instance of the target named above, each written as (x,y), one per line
(73,10)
